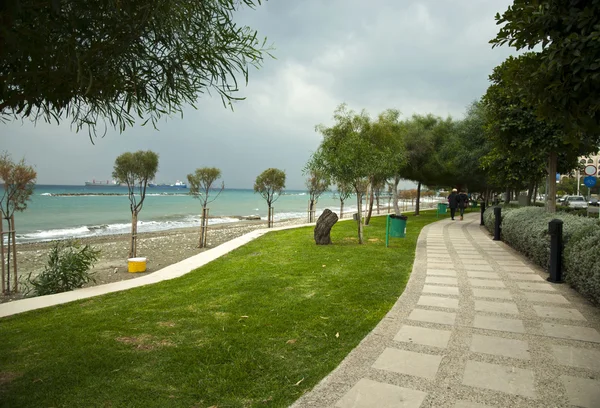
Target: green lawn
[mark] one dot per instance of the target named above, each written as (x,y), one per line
(257,327)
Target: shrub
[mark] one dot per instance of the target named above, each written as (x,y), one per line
(67,269)
(526,230)
(582,262)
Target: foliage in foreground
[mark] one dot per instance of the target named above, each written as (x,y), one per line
(68,268)
(526,230)
(258,327)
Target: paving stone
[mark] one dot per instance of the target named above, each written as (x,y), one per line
(441,280)
(546,287)
(367,393)
(486,283)
(518,269)
(525,277)
(477,268)
(438,301)
(496,377)
(408,362)
(432,316)
(437,259)
(492,293)
(582,392)
(438,264)
(498,323)
(558,312)
(443,290)
(499,346)
(577,357)
(480,274)
(475,262)
(469,404)
(510,263)
(422,335)
(564,331)
(545,297)
(496,307)
(441,272)
(469,256)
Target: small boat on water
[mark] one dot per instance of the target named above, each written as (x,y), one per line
(107,183)
(177,184)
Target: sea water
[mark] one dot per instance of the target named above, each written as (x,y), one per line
(59,212)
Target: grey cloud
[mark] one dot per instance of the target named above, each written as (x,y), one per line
(416,56)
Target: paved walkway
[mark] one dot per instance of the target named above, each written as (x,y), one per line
(477,326)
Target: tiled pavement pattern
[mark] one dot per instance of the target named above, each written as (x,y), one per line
(477,326)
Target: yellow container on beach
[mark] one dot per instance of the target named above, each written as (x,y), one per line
(136,265)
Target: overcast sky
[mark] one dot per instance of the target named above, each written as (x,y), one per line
(429,56)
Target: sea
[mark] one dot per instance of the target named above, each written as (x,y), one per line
(66,211)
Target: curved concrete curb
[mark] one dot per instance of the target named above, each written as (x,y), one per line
(170,272)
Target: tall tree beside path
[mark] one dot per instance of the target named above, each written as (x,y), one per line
(201,184)
(19,181)
(135,170)
(348,154)
(270,184)
(562,81)
(317,182)
(114,61)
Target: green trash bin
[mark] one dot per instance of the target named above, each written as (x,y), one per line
(442,208)
(474,204)
(395,227)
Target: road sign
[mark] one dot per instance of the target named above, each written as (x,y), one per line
(590,170)
(589,181)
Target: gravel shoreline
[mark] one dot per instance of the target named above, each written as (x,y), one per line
(161,248)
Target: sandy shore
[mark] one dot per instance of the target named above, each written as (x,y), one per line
(162,249)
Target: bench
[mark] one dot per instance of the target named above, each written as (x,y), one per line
(593,210)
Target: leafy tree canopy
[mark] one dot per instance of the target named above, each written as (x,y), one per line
(135,170)
(117,60)
(269,183)
(563,84)
(201,182)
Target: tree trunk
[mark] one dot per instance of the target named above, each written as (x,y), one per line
(507,194)
(133,246)
(371,200)
(377,201)
(535,192)
(323,227)
(551,193)
(359,204)
(8,254)
(14,248)
(203,228)
(2,254)
(311,211)
(530,192)
(418,206)
(341,209)
(395,193)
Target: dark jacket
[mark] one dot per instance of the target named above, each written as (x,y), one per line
(452,200)
(462,199)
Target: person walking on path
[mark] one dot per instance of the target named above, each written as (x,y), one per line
(462,199)
(452,202)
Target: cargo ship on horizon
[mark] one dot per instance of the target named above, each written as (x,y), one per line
(107,183)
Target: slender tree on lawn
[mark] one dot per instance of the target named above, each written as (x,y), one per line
(270,184)
(135,170)
(18,180)
(201,184)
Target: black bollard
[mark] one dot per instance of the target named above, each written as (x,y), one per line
(555,228)
(482,211)
(497,222)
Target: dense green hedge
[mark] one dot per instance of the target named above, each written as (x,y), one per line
(526,230)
